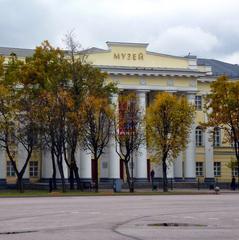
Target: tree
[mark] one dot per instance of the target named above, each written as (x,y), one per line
(129,133)
(169,119)
(97,122)
(17,125)
(222,106)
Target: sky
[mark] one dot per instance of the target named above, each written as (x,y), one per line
(205,28)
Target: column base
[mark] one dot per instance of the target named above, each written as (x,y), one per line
(141,180)
(3,183)
(178,179)
(209,180)
(85,179)
(191,179)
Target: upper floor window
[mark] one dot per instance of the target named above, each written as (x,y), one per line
(217,136)
(199,137)
(10,169)
(198,102)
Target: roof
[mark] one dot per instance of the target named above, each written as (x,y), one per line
(20,52)
(220,68)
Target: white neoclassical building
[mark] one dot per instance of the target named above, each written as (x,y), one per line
(134,68)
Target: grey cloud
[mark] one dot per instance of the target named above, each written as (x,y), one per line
(205,28)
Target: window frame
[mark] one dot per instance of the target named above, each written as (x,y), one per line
(217,169)
(199,169)
(199,141)
(198,102)
(10,172)
(33,170)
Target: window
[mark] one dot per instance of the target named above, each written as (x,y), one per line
(198,102)
(199,137)
(235,171)
(10,169)
(199,169)
(217,169)
(33,169)
(217,136)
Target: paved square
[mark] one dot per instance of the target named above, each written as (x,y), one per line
(121,217)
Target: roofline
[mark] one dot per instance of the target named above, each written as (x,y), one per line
(129,44)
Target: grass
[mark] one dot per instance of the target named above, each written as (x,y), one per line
(45,193)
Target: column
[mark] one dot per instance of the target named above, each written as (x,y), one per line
(208,147)
(141,161)
(3,168)
(85,165)
(178,168)
(114,160)
(189,163)
(170,169)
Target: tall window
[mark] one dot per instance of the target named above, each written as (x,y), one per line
(33,169)
(198,102)
(199,137)
(199,169)
(217,136)
(10,169)
(217,169)
(235,171)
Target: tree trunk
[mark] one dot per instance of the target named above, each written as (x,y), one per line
(77,177)
(96,180)
(20,184)
(71,177)
(60,167)
(54,186)
(165,180)
(128,177)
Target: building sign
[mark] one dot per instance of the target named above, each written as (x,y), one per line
(129,56)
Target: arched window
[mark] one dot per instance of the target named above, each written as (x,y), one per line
(217,137)
(199,137)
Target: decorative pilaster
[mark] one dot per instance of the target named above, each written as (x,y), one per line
(189,163)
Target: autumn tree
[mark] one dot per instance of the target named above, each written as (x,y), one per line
(129,132)
(169,118)
(222,106)
(17,125)
(97,122)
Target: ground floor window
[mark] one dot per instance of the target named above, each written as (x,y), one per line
(217,169)
(10,169)
(199,169)
(33,169)
(235,171)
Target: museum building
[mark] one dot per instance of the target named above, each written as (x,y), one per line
(133,68)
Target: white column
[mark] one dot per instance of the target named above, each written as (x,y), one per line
(189,164)
(141,162)
(85,165)
(178,167)
(114,160)
(3,168)
(209,167)
(170,169)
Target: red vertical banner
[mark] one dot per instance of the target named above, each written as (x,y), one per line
(94,169)
(148,169)
(122,169)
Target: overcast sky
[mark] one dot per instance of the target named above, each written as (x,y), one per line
(206,28)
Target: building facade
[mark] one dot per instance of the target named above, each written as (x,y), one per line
(133,68)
